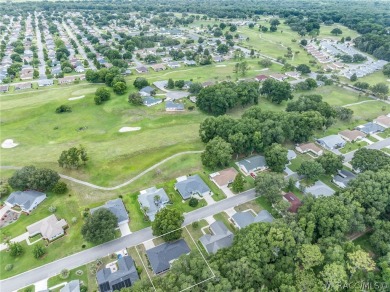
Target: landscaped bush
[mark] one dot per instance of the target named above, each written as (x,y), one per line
(9,267)
(63,109)
(79,272)
(52,209)
(193,202)
(60,188)
(195,224)
(64,274)
(74,219)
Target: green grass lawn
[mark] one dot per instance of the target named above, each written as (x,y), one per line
(386,150)
(385,134)
(364,242)
(79,273)
(296,163)
(371,138)
(353,146)
(30,288)
(226,220)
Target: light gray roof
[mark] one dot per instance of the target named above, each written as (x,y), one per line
(246,218)
(320,189)
(343,177)
(72,286)
(291,154)
(177,106)
(125,276)
(161,255)
(332,141)
(191,186)
(148,100)
(147,89)
(116,207)
(25,199)
(252,163)
(222,237)
(43,82)
(370,128)
(146,199)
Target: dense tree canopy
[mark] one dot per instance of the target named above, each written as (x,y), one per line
(276,91)
(369,159)
(100,226)
(168,224)
(32,178)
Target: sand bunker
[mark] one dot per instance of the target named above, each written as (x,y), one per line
(77,97)
(9,143)
(129,129)
(220,65)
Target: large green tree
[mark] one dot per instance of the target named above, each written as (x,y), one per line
(100,226)
(276,157)
(73,157)
(167,223)
(369,159)
(218,153)
(311,170)
(29,177)
(331,162)
(270,185)
(276,91)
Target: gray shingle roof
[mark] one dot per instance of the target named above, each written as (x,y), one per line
(343,177)
(320,189)
(125,276)
(243,219)
(146,199)
(173,105)
(147,89)
(116,207)
(253,163)
(25,199)
(222,237)
(370,128)
(72,286)
(264,216)
(191,186)
(161,255)
(332,141)
(148,100)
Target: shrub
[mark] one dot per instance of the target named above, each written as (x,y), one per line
(9,267)
(63,109)
(83,288)
(38,251)
(195,224)
(60,188)
(191,107)
(64,274)
(74,219)
(52,209)
(193,202)
(79,272)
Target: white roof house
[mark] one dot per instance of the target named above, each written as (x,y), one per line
(50,228)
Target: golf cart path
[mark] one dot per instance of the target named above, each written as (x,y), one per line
(123,184)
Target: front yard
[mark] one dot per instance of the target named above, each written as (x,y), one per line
(353,146)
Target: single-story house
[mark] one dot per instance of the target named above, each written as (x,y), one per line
(224,177)
(342,178)
(278,77)
(147,91)
(383,121)
(294,201)
(45,82)
(114,280)
(351,136)
(252,164)
(218,59)
(174,65)
(261,78)
(370,128)
(150,101)
(309,147)
(27,200)
(72,286)
(174,95)
(4,88)
(117,208)
(332,142)
(243,219)
(319,189)
(293,74)
(190,63)
(141,69)
(162,256)
(56,70)
(50,228)
(174,107)
(66,80)
(221,237)
(158,67)
(22,86)
(207,83)
(152,200)
(191,185)
(79,69)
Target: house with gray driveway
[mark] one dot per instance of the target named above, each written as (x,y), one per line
(243,219)
(252,164)
(26,201)
(342,178)
(117,208)
(191,185)
(72,286)
(319,189)
(221,237)
(123,276)
(152,200)
(332,142)
(162,256)
(50,228)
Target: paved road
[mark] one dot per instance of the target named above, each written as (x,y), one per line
(121,185)
(377,145)
(89,255)
(42,64)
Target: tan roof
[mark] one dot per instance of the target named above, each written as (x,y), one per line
(309,147)
(225,176)
(383,120)
(48,227)
(352,135)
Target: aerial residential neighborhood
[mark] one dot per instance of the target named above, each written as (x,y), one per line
(194,145)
